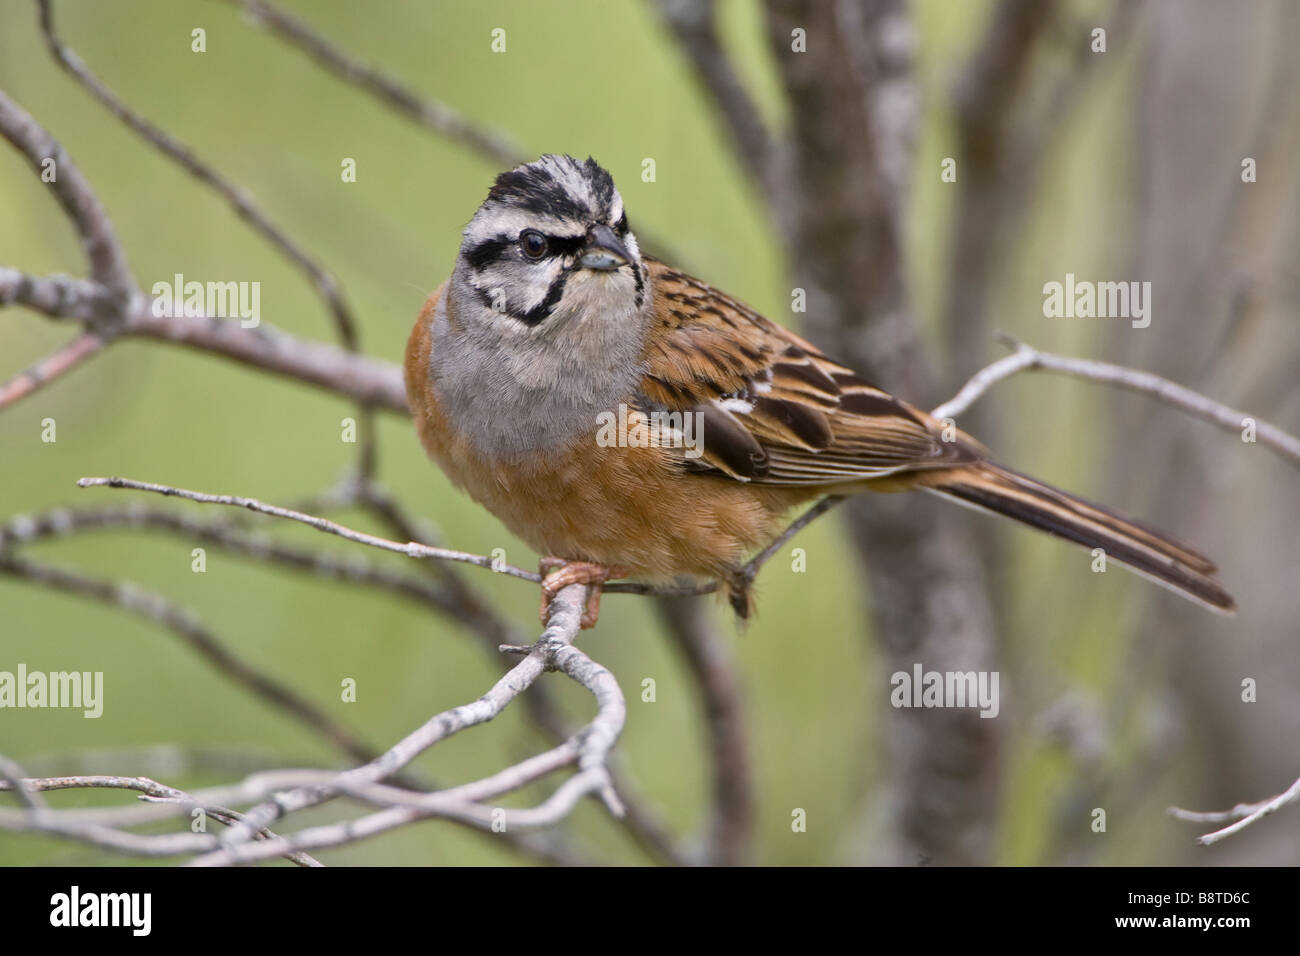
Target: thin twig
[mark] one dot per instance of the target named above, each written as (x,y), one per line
(1244,813)
(751,569)
(246,842)
(154,790)
(492,144)
(561,630)
(57,363)
(479,617)
(436,116)
(143,785)
(230,536)
(411,549)
(239,199)
(694,24)
(414,549)
(591,751)
(202,640)
(1025,358)
(709,658)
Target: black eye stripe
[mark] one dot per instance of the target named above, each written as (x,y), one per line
(498,248)
(621,226)
(564,245)
(487,252)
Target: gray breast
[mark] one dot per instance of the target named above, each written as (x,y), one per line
(515,390)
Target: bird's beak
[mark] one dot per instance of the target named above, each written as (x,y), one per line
(604,251)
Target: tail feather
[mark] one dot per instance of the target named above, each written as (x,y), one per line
(1143,549)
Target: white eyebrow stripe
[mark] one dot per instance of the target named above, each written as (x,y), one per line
(496,220)
(632,245)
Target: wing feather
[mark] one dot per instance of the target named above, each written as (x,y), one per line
(774,409)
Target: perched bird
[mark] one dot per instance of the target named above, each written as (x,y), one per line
(626,419)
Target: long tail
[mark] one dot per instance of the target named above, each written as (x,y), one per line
(1149,552)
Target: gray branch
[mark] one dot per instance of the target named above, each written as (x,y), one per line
(1025,358)
(1245,814)
(278,794)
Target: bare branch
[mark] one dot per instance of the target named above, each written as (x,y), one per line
(247,841)
(694,24)
(59,297)
(107,260)
(855,110)
(443,593)
(233,537)
(354,375)
(414,549)
(1027,358)
(708,656)
(553,651)
(62,521)
(994,76)
(438,117)
(60,362)
(492,144)
(150,788)
(13,779)
(348,374)
(1060,100)
(411,549)
(1244,813)
(751,569)
(983,380)
(239,199)
(157,791)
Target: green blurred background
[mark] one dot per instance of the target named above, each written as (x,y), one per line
(595,78)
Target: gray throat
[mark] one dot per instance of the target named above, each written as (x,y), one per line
(516,390)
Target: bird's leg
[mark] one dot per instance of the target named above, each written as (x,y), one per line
(737,586)
(558,574)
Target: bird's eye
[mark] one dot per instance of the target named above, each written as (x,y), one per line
(533,243)
(621,226)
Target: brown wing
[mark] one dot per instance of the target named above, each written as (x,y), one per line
(775,409)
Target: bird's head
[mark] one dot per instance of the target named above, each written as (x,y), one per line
(551,243)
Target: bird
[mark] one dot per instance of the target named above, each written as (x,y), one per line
(626,419)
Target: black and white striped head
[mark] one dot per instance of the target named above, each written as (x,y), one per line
(552,239)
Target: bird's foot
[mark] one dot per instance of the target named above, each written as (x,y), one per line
(558,574)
